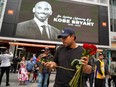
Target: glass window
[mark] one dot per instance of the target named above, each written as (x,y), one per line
(113,15)
(113,25)
(99,1)
(113,2)
(113,55)
(103,1)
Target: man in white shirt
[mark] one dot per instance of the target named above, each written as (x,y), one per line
(38,27)
(5,65)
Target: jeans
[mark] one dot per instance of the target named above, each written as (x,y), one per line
(43,79)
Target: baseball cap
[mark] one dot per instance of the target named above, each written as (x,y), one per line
(101,54)
(65,32)
(46,49)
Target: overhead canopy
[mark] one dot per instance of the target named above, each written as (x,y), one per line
(31,45)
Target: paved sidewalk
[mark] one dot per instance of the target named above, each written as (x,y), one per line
(15,83)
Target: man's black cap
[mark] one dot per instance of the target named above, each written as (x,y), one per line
(65,32)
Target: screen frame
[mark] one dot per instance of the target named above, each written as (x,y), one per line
(102,35)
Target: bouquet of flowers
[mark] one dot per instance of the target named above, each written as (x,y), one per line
(89,50)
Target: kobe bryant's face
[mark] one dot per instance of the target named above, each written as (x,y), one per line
(42,10)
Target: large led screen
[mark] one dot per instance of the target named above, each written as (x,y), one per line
(90,22)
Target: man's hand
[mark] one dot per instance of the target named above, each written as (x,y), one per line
(86,68)
(108,76)
(50,65)
(85,60)
(103,77)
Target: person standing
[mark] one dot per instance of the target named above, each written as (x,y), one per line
(64,56)
(92,62)
(44,72)
(29,67)
(106,61)
(34,58)
(100,71)
(112,72)
(5,65)
(15,61)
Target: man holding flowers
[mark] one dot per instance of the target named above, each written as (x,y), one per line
(44,72)
(69,71)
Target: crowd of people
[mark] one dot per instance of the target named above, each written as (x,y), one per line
(97,70)
(34,67)
(31,70)
(103,72)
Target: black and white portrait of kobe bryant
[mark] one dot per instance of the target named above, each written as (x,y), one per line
(38,27)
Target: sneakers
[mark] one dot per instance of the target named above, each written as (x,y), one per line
(7,84)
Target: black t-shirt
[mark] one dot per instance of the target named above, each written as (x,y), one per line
(63,57)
